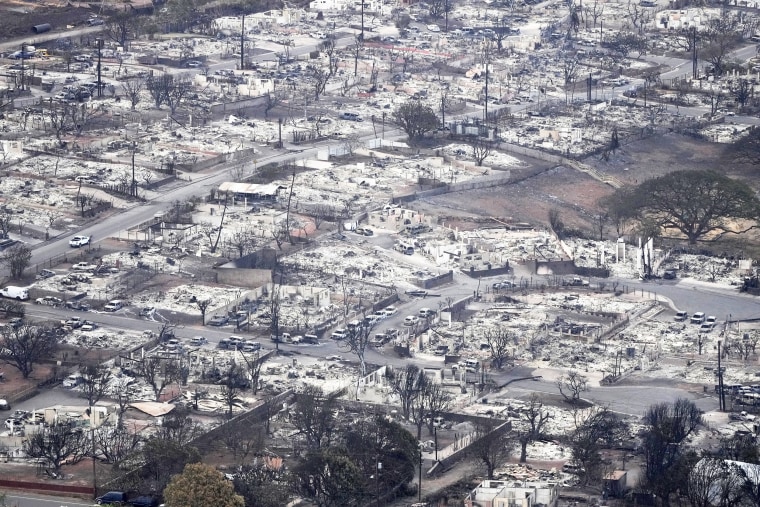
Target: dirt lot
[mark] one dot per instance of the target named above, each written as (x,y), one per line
(20,17)
(575,195)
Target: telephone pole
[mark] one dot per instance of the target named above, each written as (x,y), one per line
(100,82)
(242,44)
(23,57)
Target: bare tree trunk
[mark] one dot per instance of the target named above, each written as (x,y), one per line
(221,224)
(287,213)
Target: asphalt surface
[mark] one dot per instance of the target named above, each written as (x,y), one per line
(32,500)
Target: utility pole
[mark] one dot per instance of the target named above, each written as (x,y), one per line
(722,396)
(100,51)
(242,44)
(94,471)
(134,183)
(361,36)
(694,68)
(23,57)
(435,430)
(419,490)
(443,110)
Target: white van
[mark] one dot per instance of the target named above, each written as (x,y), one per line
(12,292)
(114,305)
(472,365)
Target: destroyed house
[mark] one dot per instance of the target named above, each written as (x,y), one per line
(492,493)
(251,191)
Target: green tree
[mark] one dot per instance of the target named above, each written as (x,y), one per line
(121,27)
(164,458)
(666,464)
(329,478)
(598,428)
(200,485)
(745,150)
(378,444)
(58,444)
(624,43)
(695,203)
(263,486)
(26,345)
(313,416)
(492,446)
(16,259)
(415,118)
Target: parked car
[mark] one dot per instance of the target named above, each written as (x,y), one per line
(390,310)
(4,405)
(173,345)
(74,322)
(310,339)
(45,274)
(143,501)
(49,301)
(681,316)
(424,313)
(218,320)
(411,320)
(250,346)
(669,274)
(711,319)
(197,341)
(112,498)
(78,241)
(147,311)
(20,293)
(72,381)
(339,334)
(698,318)
(114,305)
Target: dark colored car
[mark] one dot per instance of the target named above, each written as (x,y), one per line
(670,274)
(112,497)
(144,501)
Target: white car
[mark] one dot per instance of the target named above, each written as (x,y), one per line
(78,241)
(390,310)
(72,381)
(411,320)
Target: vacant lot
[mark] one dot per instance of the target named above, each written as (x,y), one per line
(540,189)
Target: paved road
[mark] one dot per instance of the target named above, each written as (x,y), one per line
(703,297)
(32,500)
(15,44)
